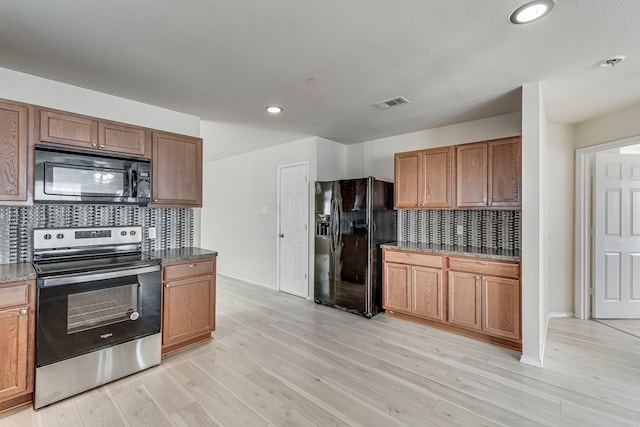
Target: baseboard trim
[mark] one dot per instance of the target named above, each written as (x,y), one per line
(531,361)
(561,314)
(246,281)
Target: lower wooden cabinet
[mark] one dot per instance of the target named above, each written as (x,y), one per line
(17,328)
(416,289)
(472,296)
(189,303)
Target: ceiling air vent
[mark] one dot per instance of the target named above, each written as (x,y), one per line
(393,102)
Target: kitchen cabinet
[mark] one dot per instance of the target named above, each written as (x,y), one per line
(176,170)
(413,284)
(189,301)
(476,297)
(14,152)
(17,332)
(57,127)
(488,174)
(485,295)
(423,179)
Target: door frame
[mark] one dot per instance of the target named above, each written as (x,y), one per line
(304,163)
(583,240)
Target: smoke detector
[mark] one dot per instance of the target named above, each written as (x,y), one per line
(610,62)
(393,102)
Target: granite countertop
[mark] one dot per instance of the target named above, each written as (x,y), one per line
(25,271)
(16,272)
(181,254)
(497,254)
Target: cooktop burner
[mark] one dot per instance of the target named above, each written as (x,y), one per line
(90,264)
(63,251)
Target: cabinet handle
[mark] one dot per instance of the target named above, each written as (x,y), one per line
(23,311)
(101,145)
(155,200)
(482,262)
(94,145)
(191,265)
(166,286)
(478,277)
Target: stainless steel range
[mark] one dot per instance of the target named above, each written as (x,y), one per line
(98,309)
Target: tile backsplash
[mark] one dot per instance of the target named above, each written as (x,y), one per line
(174,226)
(491,229)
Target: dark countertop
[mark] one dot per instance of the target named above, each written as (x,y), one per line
(181,254)
(25,271)
(497,254)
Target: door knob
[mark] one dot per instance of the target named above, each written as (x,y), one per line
(281,235)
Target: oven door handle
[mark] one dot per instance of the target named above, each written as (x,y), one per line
(92,277)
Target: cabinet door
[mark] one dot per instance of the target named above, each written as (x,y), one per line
(176,170)
(408,189)
(465,300)
(396,292)
(437,177)
(501,307)
(14,141)
(68,129)
(471,176)
(187,309)
(14,353)
(505,172)
(427,297)
(123,139)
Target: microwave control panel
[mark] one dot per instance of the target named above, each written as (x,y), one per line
(144,185)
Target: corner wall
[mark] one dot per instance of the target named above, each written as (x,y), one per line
(235,191)
(534,284)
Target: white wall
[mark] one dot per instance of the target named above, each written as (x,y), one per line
(620,124)
(534,285)
(559,210)
(332,160)
(48,93)
(234,190)
(375,158)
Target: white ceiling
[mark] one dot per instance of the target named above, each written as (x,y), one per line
(327,61)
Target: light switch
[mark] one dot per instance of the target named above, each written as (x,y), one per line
(152,232)
(460,229)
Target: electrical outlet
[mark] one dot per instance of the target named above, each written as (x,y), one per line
(152,232)
(460,230)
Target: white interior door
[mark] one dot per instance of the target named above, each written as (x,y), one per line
(293,238)
(616,252)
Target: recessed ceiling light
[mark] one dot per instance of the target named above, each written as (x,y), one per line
(274,109)
(531,11)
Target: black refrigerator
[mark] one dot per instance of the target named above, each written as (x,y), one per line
(352,218)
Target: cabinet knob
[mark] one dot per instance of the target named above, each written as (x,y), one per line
(166,286)
(478,277)
(23,311)
(155,200)
(191,265)
(94,145)
(101,145)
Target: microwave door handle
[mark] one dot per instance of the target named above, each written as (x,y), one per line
(134,183)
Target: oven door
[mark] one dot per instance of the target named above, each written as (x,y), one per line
(80,314)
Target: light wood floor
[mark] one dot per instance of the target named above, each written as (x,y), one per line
(630,326)
(280,361)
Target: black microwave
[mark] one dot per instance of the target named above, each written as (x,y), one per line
(77,176)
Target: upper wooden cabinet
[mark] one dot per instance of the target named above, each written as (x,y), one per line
(86,132)
(119,138)
(176,170)
(14,144)
(423,179)
(488,174)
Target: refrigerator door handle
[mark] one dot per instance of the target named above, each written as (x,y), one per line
(335,226)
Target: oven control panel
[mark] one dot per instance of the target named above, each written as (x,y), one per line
(55,238)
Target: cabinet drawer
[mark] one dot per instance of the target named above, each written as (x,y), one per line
(188,269)
(14,295)
(413,258)
(483,266)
